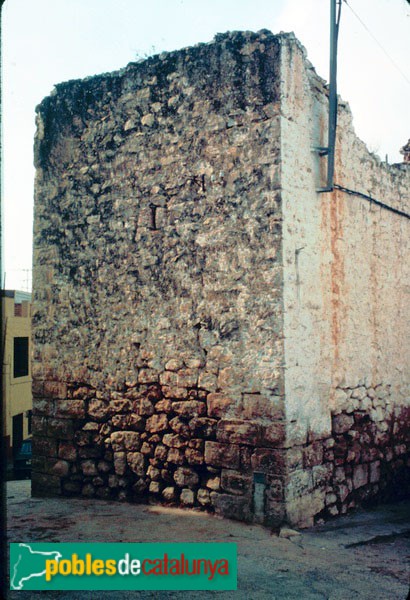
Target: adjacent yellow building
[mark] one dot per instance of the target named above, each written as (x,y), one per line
(16,368)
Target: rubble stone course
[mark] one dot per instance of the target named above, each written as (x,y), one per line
(159,330)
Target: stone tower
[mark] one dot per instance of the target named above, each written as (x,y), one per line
(209,329)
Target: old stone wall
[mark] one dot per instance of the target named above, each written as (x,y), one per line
(158,320)
(346,289)
(210,330)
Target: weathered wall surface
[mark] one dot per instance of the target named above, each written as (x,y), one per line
(158,303)
(346,289)
(209,330)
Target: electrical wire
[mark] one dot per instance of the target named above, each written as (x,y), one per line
(378,43)
(371,200)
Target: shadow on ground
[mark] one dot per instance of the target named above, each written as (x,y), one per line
(363,556)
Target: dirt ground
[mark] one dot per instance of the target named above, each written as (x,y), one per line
(364,555)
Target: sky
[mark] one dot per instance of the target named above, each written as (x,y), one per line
(45,42)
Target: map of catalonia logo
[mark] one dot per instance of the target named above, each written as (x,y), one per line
(26,563)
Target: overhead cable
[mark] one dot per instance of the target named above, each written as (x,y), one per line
(372,200)
(378,43)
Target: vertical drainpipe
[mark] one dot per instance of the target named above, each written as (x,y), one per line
(330,150)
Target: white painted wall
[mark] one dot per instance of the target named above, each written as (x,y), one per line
(346,262)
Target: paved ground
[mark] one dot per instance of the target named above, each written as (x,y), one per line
(365,555)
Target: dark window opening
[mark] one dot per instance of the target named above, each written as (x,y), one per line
(29,422)
(20,356)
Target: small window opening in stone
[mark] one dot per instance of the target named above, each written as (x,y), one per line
(153,224)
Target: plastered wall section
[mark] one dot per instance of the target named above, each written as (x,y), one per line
(346,289)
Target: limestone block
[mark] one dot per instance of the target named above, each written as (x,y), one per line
(135,422)
(140,486)
(120,405)
(213,483)
(299,484)
(203,426)
(237,431)
(169,378)
(43,407)
(360,475)
(103,466)
(164,406)
(45,447)
(60,428)
(180,427)
(99,409)
(268,460)
(148,120)
(322,474)
(219,405)
(88,490)
(125,440)
(174,440)
(176,456)
(136,462)
(88,468)
(154,392)
(300,512)
(330,499)
(67,451)
(360,393)
(221,455)
(340,400)
(187,378)
(332,510)
(203,497)
(187,497)
(71,487)
(156,423)
(374,472)
(168,493)
(161,452)
(70,408)
(153,473)
(274,434)
(194,457)
(120,463)
(61,468)
(189,408)
(174,364)
(207,381)
(342,423)
(235,482)
(148,376)
(120,421)
(313,455)
(143,407)
(377,414)
(154,487)
(256,406)
(184,476)
(55,389)
(176,393)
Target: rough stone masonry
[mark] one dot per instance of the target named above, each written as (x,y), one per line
(210,331)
